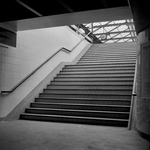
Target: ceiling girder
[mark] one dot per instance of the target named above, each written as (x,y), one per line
(115,24)
(29,8)
(114,32)
(119,38)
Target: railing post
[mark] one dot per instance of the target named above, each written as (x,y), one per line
(134,94)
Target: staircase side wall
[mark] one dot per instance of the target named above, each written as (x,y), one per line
(33,48)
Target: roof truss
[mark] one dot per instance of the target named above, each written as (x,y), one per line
(113,31)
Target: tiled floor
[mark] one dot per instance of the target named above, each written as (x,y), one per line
(29,135)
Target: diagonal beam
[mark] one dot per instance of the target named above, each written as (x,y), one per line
(65,6)
(129,23)
(29,8)
(104,2)
(125,31)
(134,37)
(100,26)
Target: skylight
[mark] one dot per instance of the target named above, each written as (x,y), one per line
(113,31)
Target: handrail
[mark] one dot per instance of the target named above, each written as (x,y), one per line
(134,93)
(16,86)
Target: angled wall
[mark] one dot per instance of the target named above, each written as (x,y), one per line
(33,48)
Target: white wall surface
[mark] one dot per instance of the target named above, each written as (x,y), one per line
(33,48)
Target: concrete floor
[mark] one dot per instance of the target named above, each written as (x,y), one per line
(30,135)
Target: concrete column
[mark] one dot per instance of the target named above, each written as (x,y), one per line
(141,17)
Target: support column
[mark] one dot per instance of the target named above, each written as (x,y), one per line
(141,17)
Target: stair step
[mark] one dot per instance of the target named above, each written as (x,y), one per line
(108,58)
(103,63)
(96,101)
(82,113)
(90,87)
(96,76)
(74,72)
(95,73)
(76,95)
(90,91)
(104,66)
(88,83)
(121,75)
(99,68)
(102,54)
(106,52)
(110,54)
(119,108)
(74,119)
(98,79)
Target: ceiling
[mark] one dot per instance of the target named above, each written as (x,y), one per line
(25,9)
(30,14)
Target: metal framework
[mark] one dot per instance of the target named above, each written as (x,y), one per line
(113,31)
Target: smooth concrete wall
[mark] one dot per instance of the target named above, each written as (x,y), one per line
(143,83)
(33,48)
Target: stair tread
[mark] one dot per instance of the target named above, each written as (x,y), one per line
(89,92)
(108,63)
(69,110)
(70,98)
(92,118)
(59,87)
(93,105)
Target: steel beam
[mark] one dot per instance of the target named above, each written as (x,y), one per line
(116,32)
(115,24)
(119,38)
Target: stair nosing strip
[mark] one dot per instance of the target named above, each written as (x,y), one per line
(97,105)
(82,98)
(92,118)
(70,110)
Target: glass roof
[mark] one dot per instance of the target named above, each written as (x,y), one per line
(113,31)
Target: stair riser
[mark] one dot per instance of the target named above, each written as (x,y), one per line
(125,55)
(80,107)
(89,92)
(103,61)
(96,79)
(90,54)
(86,63)
(96,73)
(108,83)
(81,101)
(75,120)
(125,71)
(103,66)
(110,52)
(102,96)
(90,87)
(107,58)
(97,69)
(78,113)
(106,64)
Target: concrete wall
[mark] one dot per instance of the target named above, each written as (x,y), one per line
(33,48)
(143,83)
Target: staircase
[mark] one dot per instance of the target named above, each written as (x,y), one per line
(97,90)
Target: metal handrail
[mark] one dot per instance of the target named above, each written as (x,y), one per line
(16,86)
(134,93)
